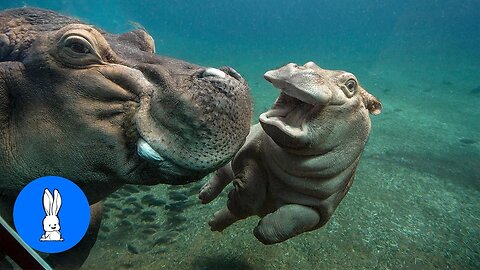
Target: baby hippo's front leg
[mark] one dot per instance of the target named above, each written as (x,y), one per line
(215,186)
(286,222)
(246,199)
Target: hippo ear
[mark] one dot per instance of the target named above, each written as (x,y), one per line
(373,105)
(140,39)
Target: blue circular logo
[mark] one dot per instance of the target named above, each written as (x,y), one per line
(51,214)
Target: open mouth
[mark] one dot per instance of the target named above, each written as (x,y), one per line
(289,115)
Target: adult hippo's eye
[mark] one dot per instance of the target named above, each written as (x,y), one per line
(78,47)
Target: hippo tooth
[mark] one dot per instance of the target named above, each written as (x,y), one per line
(214,72)
(146,151)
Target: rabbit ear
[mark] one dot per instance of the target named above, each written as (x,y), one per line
(47,202)
(57,202)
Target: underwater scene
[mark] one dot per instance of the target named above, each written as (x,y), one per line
(415,200)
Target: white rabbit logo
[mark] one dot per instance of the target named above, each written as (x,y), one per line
(51,223)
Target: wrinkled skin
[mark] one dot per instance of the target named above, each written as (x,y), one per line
(300,161)
(104,110)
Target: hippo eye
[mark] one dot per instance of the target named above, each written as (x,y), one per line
(351,85)
(78,45)
(79,48)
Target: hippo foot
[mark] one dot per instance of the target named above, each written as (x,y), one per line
(222,219)
(214,186)
(286,222)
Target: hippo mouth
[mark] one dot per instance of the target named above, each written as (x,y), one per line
(288,115)
(174,150)
(166,165)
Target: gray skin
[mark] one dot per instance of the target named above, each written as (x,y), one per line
(300,161)
(104,110)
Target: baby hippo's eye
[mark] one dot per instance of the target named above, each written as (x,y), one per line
(351,85)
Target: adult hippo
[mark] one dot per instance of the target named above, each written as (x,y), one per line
(104,110)
(300,161)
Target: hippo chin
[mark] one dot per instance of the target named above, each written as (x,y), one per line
(105,110)
(300,161)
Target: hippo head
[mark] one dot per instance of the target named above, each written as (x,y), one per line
(317,108)
(104,109)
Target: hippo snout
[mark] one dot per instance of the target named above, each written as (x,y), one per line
(191,120)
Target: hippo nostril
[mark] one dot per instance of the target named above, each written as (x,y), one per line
(232,72)
(214,72)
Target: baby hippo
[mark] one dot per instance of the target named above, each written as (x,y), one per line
(299,162)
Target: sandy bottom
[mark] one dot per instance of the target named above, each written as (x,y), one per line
(414,204)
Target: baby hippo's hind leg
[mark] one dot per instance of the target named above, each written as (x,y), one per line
(286,222)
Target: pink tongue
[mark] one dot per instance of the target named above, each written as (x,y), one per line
(295,118)
(292,124)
